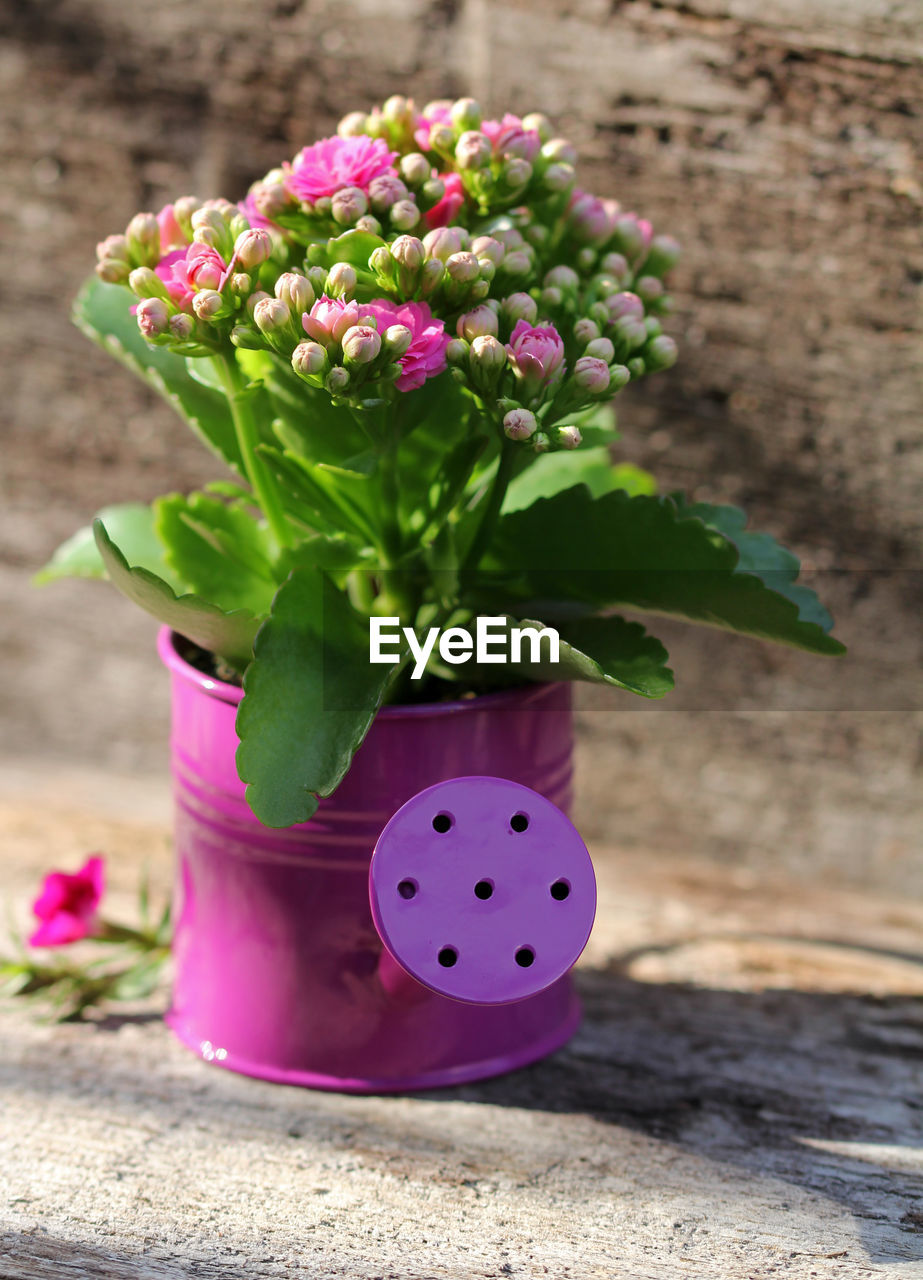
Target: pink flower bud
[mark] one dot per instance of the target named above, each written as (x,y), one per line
(475,324)
(535,122)
(487,354)
(353,125)
(152,316)
(254,300)
(489,248)
(146,284)
(537,356)
(253,248)
(385,190)
(341,280)
(664,254)
(399,110)
(348,204)
(567,437)
(441,138)
(466,113)
(624,304)
(207,218)
(207,303)
(519,424)
(519,306)
(559,149)
(404,215)
(442,242)
(431,276)
(559,177)
(271,316)
(143,238)
(473,150)
(295,291)
(586,330)
(270,199)
(456,353)
(113,271)
(660,353)
(415,169)
(632,236)
(114,247)
(368,223)
(615,265)
(463,268)
(619,377)
(601,349)
(181,327)
(516,173)
(592,375)
(396,340)
(337,380)
(649,288)
(361,344)
(408,252)
(207,271)
(309,358)
(517,263)
(562,277)
(183,209)
(551,298)
(240,284)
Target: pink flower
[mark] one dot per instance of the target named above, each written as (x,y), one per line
(592,219)
(445,210)
(198,266)
(330,318)
(509,138)
(172,235)
(425,357)
(333,163)
(536,354)
(248,208)
(439,112)
(66,906)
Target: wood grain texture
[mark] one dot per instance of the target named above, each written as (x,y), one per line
(742,1100)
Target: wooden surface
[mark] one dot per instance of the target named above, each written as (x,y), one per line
(743,1101)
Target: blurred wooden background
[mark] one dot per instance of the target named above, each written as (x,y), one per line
(780,141)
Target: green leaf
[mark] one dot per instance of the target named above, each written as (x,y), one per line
(229,635)
(761,555)
(643,553)
(354,247)
(218,551)
(599,650)
(102,312)
(132,527)
(310,695)
(340,499)
(552,472)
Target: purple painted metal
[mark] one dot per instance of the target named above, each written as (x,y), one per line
(482,890)
(279,969)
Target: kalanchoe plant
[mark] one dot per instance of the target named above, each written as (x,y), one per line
(403,344)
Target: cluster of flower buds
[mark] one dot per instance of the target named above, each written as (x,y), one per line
(409,239)
(192,266)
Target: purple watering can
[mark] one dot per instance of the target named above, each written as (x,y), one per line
(417,932)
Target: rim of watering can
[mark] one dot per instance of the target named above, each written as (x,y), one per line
(215,688)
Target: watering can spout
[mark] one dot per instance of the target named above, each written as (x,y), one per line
(482,891)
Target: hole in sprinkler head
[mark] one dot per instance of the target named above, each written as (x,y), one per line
(524,957)
(408,888)
(560,890)
(483,889)
(519,821)
(447,957)
(443,822)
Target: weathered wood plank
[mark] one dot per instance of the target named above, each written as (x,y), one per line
(737,1104)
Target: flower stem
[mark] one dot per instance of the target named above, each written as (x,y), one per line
(485,530)
(261,481)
